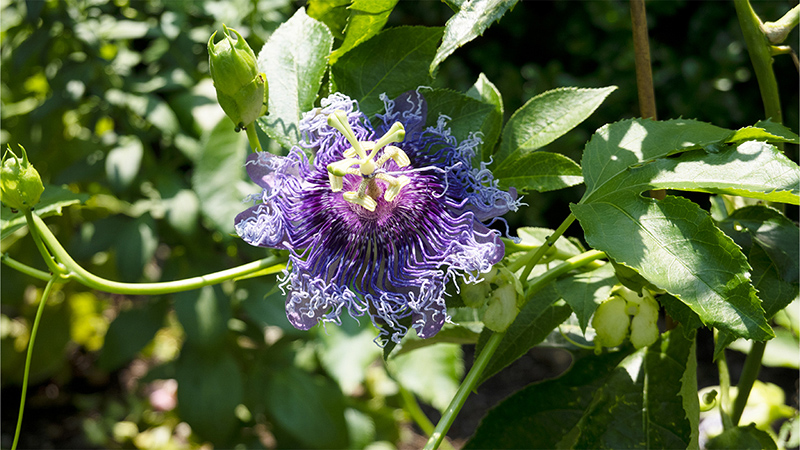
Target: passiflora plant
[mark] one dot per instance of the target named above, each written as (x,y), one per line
(380,199)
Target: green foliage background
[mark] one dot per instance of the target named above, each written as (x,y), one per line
(114,99)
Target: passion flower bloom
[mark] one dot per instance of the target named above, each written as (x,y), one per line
(377,221)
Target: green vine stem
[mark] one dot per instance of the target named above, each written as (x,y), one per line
(532,257)
(724,386)
(37,239)
(252,137)
(24,268)
(752,365)
(760,52)
(470,382)
(28,358)
(467,386)
(75,271)
(411,406)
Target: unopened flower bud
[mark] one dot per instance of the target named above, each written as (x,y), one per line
(611,322)
(242,91)
(644,330)
(21,185)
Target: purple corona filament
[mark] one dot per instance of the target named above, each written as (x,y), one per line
(378,220)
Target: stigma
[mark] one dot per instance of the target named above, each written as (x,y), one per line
(360,160)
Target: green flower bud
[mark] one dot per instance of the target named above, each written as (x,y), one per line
(242,91)
(502,308)
(644,329)
(611,322)
(20,185)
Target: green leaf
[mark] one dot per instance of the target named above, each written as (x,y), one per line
(533,324)
(467,115)
(676,246)
(765,130)
(308,407)
(485,91)
(346,351)
(640,405)
(540,415)
(203,314)
(210,388)
(219,174)
(432,373)
(130,332)
(53,200)
(680,312)
(542,172)
(294,60)
(451,333)
(542,120)
(366,19)
(392,62)
(469,22)
(532,237)
(123,162)
(742,438)
(585,291)
(333,13)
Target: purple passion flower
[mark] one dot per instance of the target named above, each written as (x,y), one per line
(377,220)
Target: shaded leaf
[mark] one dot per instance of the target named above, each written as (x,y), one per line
(742,438)
(123,162)
(203,314)
(294,59)
(543,119)
(467,115)
(380,65)
(585,291)
(432,373)
(346,351)
(765,130)
(136,243)
(485,91)
(333,13)
(366,19)
(542,172)
(470,21)
(130,332)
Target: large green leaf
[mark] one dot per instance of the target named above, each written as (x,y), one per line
(540,315)
(309,407)
(742,438)
(542,172)
(467,115)
(333,13)
(294,59)
(366,19)
(585,291)
(51,203)
(210,388)
(392,62)
(433,373)
(542,120)
(470,21)
(219,174)
(130,331)
(673,243)
(485,91)
(540,415)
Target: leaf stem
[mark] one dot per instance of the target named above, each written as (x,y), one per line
(760,55)
(463,392)
(752,365)
(24,268)
(412,408)
(93,281)
(29,357)
(724,386)
(567,266)
(252,137)
(536,255)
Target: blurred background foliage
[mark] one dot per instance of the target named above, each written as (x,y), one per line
(113,99)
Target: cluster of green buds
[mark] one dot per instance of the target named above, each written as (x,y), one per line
(21,185)
(501,292)
(626,311)
(242,90)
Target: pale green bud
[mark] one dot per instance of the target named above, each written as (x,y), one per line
(20,184)
(502,308)
(611,322)
(644,327)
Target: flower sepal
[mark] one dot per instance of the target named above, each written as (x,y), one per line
(21,185)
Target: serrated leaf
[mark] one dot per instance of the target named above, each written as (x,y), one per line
(294,59)
(381,65)
(540,315)
(640,405)
(467,115)
(433,373)
(676,246)
(366,19)
(766,130)
(585,291)
(742,438)
(543,119)
(209,389)
(485,91)
(53,200)
(470,21)
(541,172)
(539,415)
(219,176)
(333,13)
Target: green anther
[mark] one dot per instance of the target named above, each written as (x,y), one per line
(339,121)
